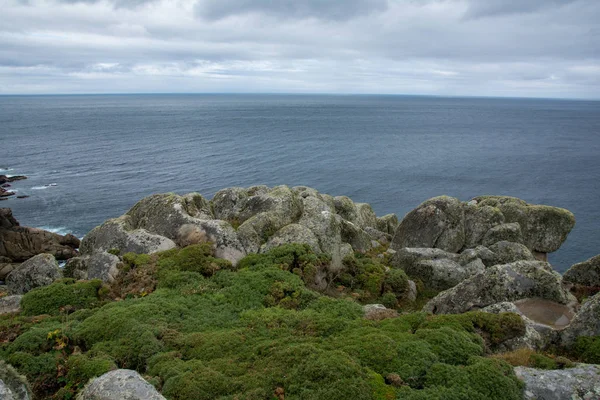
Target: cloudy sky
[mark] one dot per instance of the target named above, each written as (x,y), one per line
(534,48)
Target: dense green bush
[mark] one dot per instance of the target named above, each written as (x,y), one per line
(211,332)
(587,349)
(66,293)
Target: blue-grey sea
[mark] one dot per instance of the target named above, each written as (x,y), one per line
(105,152)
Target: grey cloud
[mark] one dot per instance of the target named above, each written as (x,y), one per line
(492,8)
(320,9)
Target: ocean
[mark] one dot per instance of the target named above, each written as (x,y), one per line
(106,152)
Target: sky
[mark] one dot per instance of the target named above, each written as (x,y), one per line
(513,48)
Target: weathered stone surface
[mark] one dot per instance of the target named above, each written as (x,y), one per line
(510,232)
(119,384)
(407,257)
(507,252)
(292,233)
(478,221)
(12,385)
(500,283)
(375,234)
(585,323)
(355,236)
(579,383)
(438,223)
(442,274)
(6,268)
(388,223)
(38,271)
(99,265)
(20,243)
(544,228)
(10,304)
(120,234)
(585,273)
(377,312)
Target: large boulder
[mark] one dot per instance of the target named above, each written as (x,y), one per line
(120,384)
(239,221)
(12,385)
(438,222)
(508,252)
(585,273)
(585,323)
(38,271)
(100,265)
(579,383)
(20,243)
(500,283)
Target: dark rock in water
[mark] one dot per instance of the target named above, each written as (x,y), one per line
(38,271)
(581,382)
(3,198)
(6,185)
(23,196)
(119,384)
(5,179)
(6,193)
(20,243)
(585,273)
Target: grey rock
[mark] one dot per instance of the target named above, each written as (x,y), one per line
(38,271)
(6,268)
(10,304)
(366,216)
(579,383)
(119,233)
(378,312)
(507,252)
(478,221)
(99,265)
(346,208)
(227,204)
(437,223)
(292,233)
(500,283)
(355,236)
(442,274)
(487,256)
(406,257)
(388,223)
(585,323)
(510,232)
(121,384)
(411,294)
(585,273)
(12,385)
(375,234)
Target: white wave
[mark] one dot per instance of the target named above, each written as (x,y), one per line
(61,230)
(39,187)
(2,170)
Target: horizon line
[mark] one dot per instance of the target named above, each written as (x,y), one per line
(298,94)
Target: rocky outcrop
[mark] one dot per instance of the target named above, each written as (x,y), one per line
(99,265)
(502,283)
(239,221)
(12,385)
(119,384)
(585,273)
(38,271)
(585,323)
(10,304)
(7,179)
(581,382)
(448,224)
(20,243)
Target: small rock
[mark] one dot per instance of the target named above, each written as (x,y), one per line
(10,304)
(121,384)
(12,385)
(377,312)
(38,271)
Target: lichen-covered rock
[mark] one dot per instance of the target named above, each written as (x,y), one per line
(500,283)
(20,243)
(38,271)
(292,233)
(355,236)
(508,252)
(442,274)
(438,222)
(12,385)
(99,265)
(388,223)
(10,304)
(585,323)
(120,234)
(579,383)
(544,228)
(585,273)
(510,232)
(120,384)
(6,268)
(405,258)
(478,221)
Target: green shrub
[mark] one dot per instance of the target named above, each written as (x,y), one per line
(83,367)
(195,258)
(65,293)
(452,346)
(587,349)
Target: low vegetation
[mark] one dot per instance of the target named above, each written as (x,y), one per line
(198,328)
